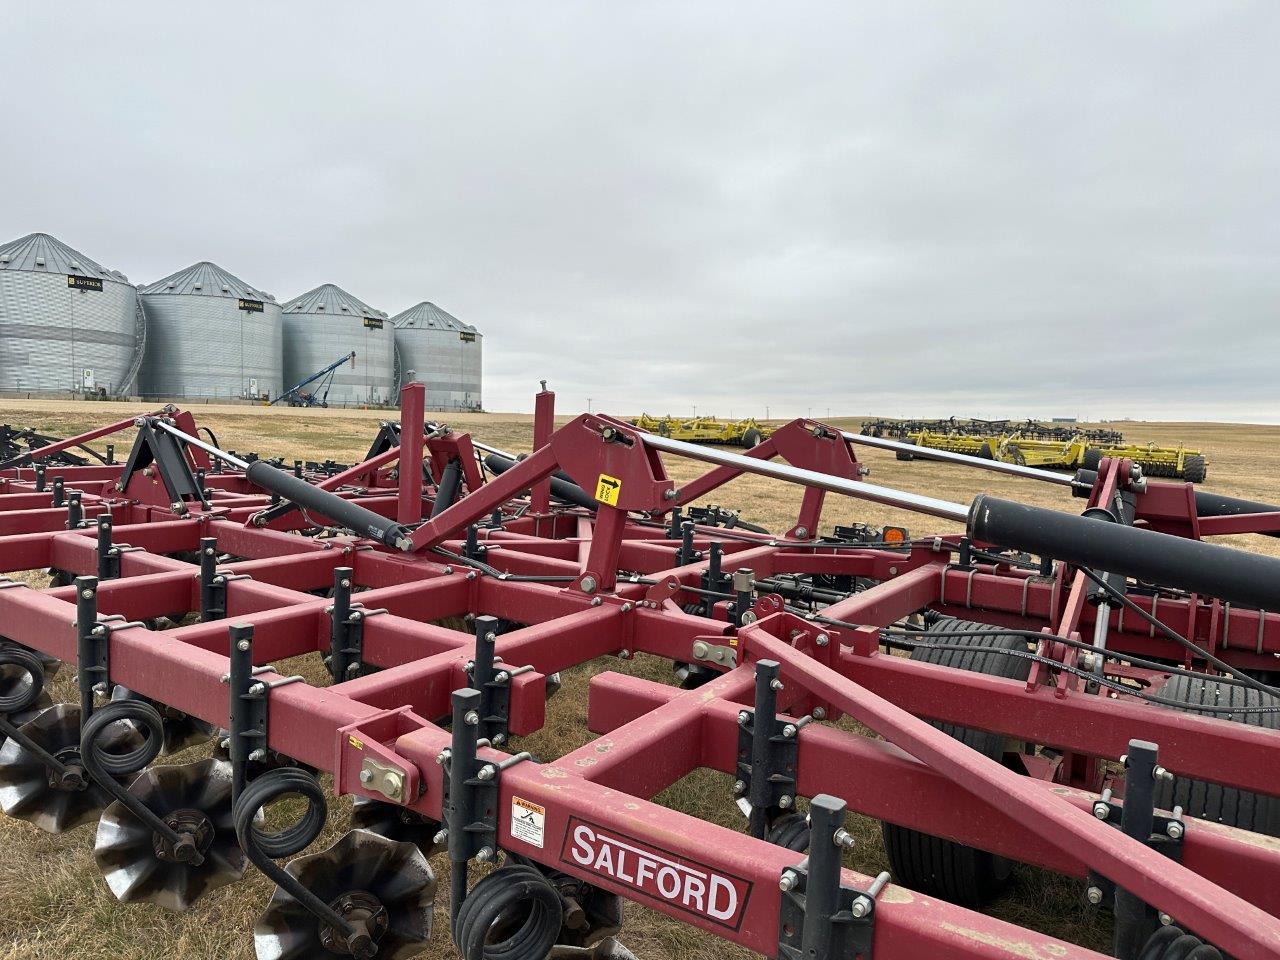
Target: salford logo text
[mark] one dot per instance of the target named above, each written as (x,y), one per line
(681,883)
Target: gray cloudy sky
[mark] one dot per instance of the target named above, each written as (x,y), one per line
(899,208)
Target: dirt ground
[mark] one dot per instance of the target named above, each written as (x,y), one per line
(53,902)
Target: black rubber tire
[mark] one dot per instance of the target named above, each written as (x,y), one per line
(752,438)
(791,832)
(1194,468)
(903,455)
(1210,801)
(1091,459)
(931,865)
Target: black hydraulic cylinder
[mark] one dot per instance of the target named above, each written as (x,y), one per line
(352,516)
(1235,575)
(449,487)
(562,486)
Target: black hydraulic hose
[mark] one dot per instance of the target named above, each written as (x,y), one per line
(562,485)
(1248,578)
(358,519)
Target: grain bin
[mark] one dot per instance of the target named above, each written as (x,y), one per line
(444,353)
(210,334)
(324,324)
(66,322)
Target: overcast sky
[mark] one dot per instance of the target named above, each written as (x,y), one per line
(974,208)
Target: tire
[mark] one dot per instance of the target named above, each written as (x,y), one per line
(1209,801)
(943,868)
(984,451)
(1194,468)
(1092,458)
(903,455)
(752,438)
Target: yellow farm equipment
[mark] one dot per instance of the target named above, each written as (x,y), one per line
(1032,445)
(739,433)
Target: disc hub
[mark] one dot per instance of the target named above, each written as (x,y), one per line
(73,779)
(194,827)
(366,914)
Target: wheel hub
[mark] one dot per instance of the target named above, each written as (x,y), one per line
(196,831)
(367,915)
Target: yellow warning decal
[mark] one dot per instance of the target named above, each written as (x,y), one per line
(358,744)
(607,489)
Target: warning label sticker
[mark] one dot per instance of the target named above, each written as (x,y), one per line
(528,822)
(607,489)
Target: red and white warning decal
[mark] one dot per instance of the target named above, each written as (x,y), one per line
(679,882)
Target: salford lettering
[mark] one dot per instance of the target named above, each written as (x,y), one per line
(681,883)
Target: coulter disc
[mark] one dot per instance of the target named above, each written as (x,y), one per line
(382,887)
(140,865)
(56,802)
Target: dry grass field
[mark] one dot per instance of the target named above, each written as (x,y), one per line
(53,902)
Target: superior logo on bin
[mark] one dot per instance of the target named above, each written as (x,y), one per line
(682,883)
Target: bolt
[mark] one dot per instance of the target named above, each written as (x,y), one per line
(893,571)
(100,689)
(485,854)
(626,608)
(860,907)
(99,630)
(87,594)
(366,776)
(843,838)
(822,640)
(784,801)
(819,713)
(502,676)
(357,615)
(776,684)
(499,739)
(1160,773)
(744,718)
(670,494)
(1101,810)
(471,575)
(1094,895)
(789,730)
(624,654)
(587,584)
(346,583)
(258,755)
(788,881)
(739,787)
(258,688)
(1174,830)
(225,743)
(486,772)
(443,755)
(472,718)
(442,836)
(243,646)
(596,601)
(802,532)
(1165,920)
(448,569)
(353,668)
(700,649)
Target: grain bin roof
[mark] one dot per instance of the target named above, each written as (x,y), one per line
(427,316)
(205,279)
(332,301)
(41,253)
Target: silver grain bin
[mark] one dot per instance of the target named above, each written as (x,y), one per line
(210,334)
(444,353)
(325,324)
(67,324)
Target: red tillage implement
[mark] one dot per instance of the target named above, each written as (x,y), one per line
(1045,647)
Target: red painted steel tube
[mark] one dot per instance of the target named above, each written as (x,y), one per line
(1226,920)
